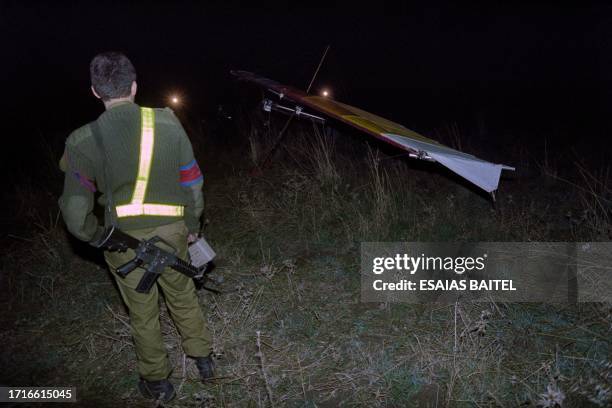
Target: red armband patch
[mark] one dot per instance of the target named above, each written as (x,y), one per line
(190,173)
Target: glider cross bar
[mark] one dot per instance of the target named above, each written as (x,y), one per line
(298,111)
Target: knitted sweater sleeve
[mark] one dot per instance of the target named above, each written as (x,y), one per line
(191,180)
(77,199)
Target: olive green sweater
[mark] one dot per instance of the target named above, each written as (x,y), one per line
(120,127)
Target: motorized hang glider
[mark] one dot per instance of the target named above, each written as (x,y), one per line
(479,172)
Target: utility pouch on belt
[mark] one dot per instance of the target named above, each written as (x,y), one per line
(201,253)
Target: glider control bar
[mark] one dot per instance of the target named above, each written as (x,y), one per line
(269,106)
(298,111)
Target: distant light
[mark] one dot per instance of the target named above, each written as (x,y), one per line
(175,100)
(325,93)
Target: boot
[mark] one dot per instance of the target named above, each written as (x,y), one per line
(161,390)
(206,367)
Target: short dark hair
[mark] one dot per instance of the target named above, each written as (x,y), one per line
(112,75)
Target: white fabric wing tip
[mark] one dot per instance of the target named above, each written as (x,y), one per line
(479,172)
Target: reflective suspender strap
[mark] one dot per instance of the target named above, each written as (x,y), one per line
(130,210)
(137,206)
(147,141)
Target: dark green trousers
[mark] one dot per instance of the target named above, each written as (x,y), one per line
(181,299)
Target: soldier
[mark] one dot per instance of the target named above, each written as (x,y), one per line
(142,162)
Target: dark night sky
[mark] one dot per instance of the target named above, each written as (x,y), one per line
(540,65)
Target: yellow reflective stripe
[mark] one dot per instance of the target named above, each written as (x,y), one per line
(147,141)
(137,206)
(132,210)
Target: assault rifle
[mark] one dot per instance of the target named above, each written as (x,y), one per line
(148,255)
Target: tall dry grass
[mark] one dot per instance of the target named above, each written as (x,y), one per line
(290,330)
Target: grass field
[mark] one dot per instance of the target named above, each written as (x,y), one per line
(290,329)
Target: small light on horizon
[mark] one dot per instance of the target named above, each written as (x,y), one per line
(325,93)
(175,100)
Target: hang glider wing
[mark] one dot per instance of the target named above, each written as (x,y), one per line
(480,172)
